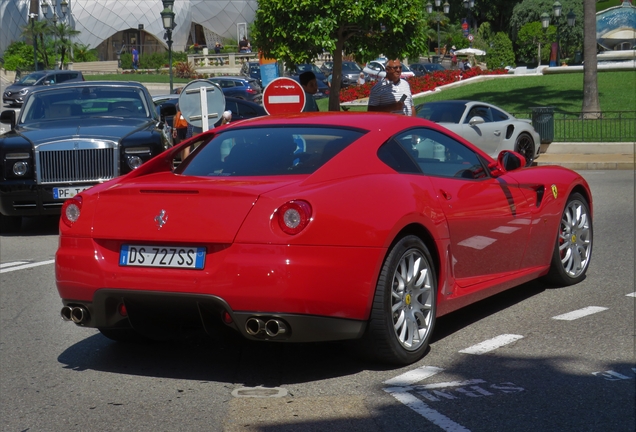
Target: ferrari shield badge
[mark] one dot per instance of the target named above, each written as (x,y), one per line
(555,192)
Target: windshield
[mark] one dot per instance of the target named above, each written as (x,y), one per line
(351,67)
(441,112)
(30,79)
(268,151)
(94,101)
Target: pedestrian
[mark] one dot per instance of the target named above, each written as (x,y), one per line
(227,117)
(135,58)
(392,94)
(310,86)
(361,79)
(245,46)
(217,48)
(179,126)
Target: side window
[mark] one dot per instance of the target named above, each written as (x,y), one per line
(498,115)
(481,111)
(63,77)
(245,110)
(439,155)
(396,157)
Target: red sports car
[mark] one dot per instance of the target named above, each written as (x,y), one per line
(317,227)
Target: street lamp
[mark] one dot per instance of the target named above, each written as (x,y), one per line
(33,17)
(429,10)
(167,17)
(470,4)
(45,11)
(556,10)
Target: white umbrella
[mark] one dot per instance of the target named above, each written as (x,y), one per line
(469,51)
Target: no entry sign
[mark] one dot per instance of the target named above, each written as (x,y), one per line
(283,96)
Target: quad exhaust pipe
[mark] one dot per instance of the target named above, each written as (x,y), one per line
(271,327)
(77,314)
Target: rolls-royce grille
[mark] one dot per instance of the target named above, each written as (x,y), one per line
(78,165)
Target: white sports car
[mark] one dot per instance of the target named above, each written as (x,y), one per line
(487,126)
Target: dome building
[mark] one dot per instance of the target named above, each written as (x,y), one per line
(116,26)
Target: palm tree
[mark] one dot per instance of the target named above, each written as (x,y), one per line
(38,30)
(591,106)
(63,34)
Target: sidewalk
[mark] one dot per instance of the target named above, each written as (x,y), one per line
(589,156)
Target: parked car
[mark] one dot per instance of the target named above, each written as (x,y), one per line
(252,70)
(323,89)
(318,227)
(420,69)
(350,73)
(320,76)
(241,109)
(376,70)
(327,67)
(16,93)
(69,137)
(240,87)
(488,127)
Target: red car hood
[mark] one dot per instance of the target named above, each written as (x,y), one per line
(165,207)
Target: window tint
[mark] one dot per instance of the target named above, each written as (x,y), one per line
(439,155)
(395,156)
(498,115)
(442,112)
(268,151)
(481,111)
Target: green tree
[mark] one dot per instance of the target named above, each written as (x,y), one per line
(63,33)
(83,53)
(18,55)
(39,30)
(531,37)
(527,11)
(591,106)
(500,53)
(298,31)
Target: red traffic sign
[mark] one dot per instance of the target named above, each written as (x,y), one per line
(283,96)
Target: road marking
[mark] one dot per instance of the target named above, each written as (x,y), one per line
(411,377)
(632,294)
(491,344)
(427,412)
(12,264)
(259,392)
(579,313)
(611,375)
(26,266)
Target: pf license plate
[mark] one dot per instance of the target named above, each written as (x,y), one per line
(68,192)
(162,256)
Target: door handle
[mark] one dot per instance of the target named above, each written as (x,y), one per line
(497,133)
(445,194)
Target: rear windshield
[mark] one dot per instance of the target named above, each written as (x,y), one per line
(268,151)
(442,112)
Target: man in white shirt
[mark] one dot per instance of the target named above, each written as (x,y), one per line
(392,94)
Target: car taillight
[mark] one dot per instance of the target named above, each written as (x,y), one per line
(71,210)
(293,216)
(250,90)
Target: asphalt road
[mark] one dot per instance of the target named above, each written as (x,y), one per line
(552,374)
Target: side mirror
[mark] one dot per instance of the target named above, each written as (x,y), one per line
(476,120)
(8,116)
(510,160)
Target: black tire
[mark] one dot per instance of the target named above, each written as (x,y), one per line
(573,246)
(10,224)
(403,298)
(524,145)
(125,335)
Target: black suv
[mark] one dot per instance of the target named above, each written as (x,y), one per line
(18,91)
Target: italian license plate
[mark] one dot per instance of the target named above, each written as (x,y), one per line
(68,192)
(162,256)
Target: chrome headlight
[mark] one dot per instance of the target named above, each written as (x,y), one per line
(20,168)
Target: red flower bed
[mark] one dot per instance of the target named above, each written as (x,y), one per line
(420,84)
